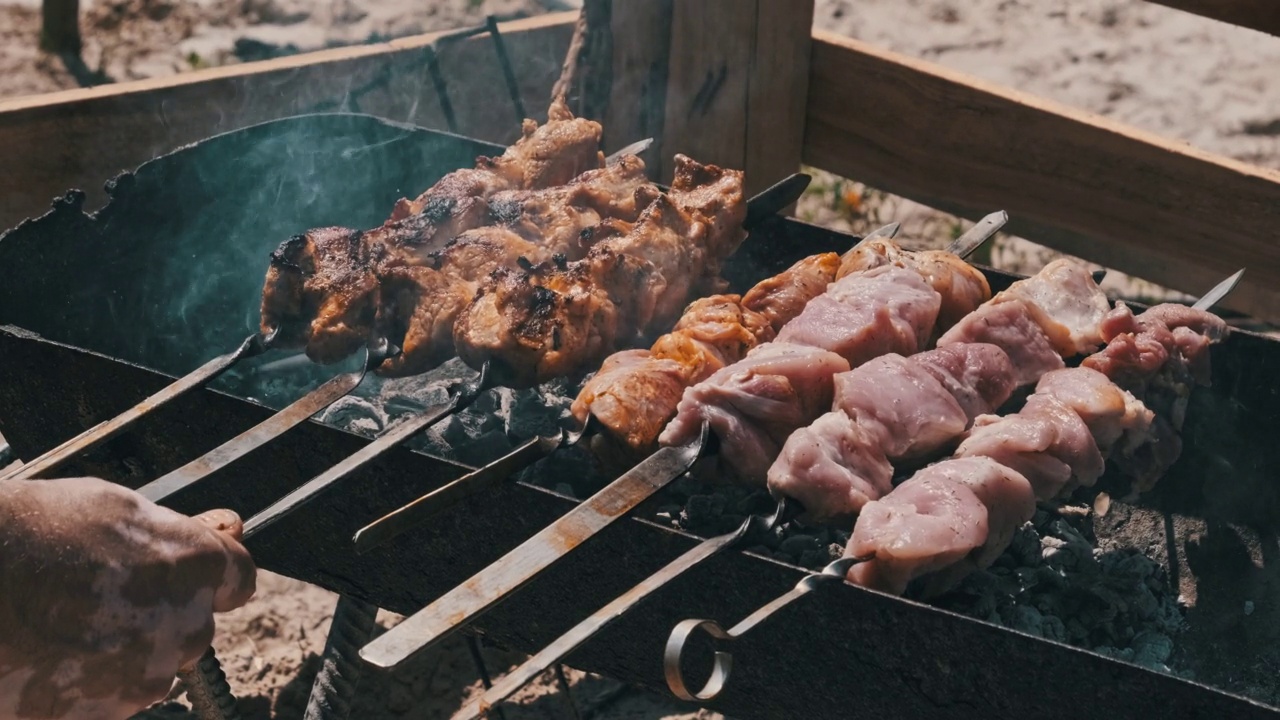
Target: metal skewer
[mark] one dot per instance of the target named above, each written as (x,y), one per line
(751,529)
(419,511)
(671,666)
(51,460)
(496,582)
(509,573)
(265,431)
(462,395)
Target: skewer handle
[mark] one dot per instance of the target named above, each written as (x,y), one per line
(208,690)
(723,663)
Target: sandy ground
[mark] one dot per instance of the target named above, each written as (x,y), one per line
(1210,84)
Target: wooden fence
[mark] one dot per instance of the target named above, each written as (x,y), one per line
(745,83)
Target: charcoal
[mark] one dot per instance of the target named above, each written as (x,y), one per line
(698,510)
(1026,619)
(798,545)
(565,489)
(813,559)
(484,449)
(355,414)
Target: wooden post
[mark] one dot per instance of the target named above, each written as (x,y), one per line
(60,27)
(723,81)
(738,85)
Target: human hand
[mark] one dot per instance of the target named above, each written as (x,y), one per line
(104,596)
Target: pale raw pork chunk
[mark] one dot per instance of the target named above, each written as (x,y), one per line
(1012,327)
(1046,441)
(1108,411)
(754,404)
(833,468)
(1005,496)
(890,409)
(1066,292)
(902,404)
(962,286)
(978,375)
(866,315)
(928,523)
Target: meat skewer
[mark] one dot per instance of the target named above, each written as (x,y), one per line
(635,392)
(491,585)
(544,155)
(996,494)
(317,400)
(983,382)
(771,294)
(753,405)
(752,528)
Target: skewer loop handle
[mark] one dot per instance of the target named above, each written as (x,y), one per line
(672,655)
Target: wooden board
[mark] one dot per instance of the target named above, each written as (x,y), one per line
(778,91)
(82,138)
(1263,15)
(736,85)
(1085,185)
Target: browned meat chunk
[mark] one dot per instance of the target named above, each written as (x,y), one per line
(552,154)
(557,317)
(320,294)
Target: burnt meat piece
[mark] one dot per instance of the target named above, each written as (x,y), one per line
(321,294)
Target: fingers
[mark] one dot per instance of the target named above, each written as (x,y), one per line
(224,521)
(239,580)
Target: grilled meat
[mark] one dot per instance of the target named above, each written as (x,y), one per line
(501,236)
(321,294)
(784,296)
(636,391)
(545,156)
(555,317)
(418,307)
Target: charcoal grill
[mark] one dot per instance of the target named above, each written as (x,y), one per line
(102,310)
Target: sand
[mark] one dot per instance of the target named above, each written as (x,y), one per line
(1191,79)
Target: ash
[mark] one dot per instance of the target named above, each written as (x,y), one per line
(1053,581)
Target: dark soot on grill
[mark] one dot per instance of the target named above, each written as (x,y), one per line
(1053,581)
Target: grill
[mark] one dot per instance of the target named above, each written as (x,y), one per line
(85,340)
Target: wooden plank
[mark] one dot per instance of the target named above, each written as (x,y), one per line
(1262,15)
(779,90)
(82,138)
(712,48)
(737,85)
(1083,184)
(641,39)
